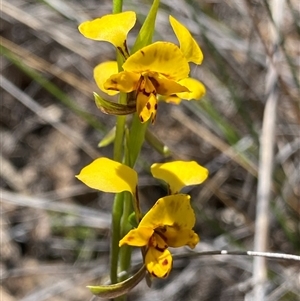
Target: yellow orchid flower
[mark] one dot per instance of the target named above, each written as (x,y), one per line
(154,69)
(161,68)
(168,223)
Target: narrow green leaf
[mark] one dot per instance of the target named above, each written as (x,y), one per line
(113,108)
(136,138)
(118,289)
(108,138)
(145,35)
(157,144)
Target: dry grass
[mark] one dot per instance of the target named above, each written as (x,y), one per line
(55,231)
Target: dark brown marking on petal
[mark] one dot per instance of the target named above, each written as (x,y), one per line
(160,232)
(153,274)
(165,262)
(121,50)
(137,198)
(126,50)
(160,249)
(142,52)
(148,105)
(155,106)
(154,82)
(146,93)
(141,119)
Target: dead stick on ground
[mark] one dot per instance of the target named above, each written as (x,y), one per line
(266,165)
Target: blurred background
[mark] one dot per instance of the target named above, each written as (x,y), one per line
(55,231)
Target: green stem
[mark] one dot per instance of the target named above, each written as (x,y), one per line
(117,6)
(135,141)
(125,252)
(130,153)
(117,212)
(119,139)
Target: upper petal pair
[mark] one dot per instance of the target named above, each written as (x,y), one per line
(115,27)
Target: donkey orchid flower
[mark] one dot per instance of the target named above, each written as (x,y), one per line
(161,68)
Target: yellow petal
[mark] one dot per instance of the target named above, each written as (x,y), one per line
(161,57)
(176,237)
(110,28)
(179,174)
(137,237)
(123,81)
(166,86)
(109,176)
(158,264)
(196,88)
(146,103)
(188,45)
(146,107)
(102,72)
(173,210)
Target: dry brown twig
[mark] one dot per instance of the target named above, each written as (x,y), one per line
(267,143)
